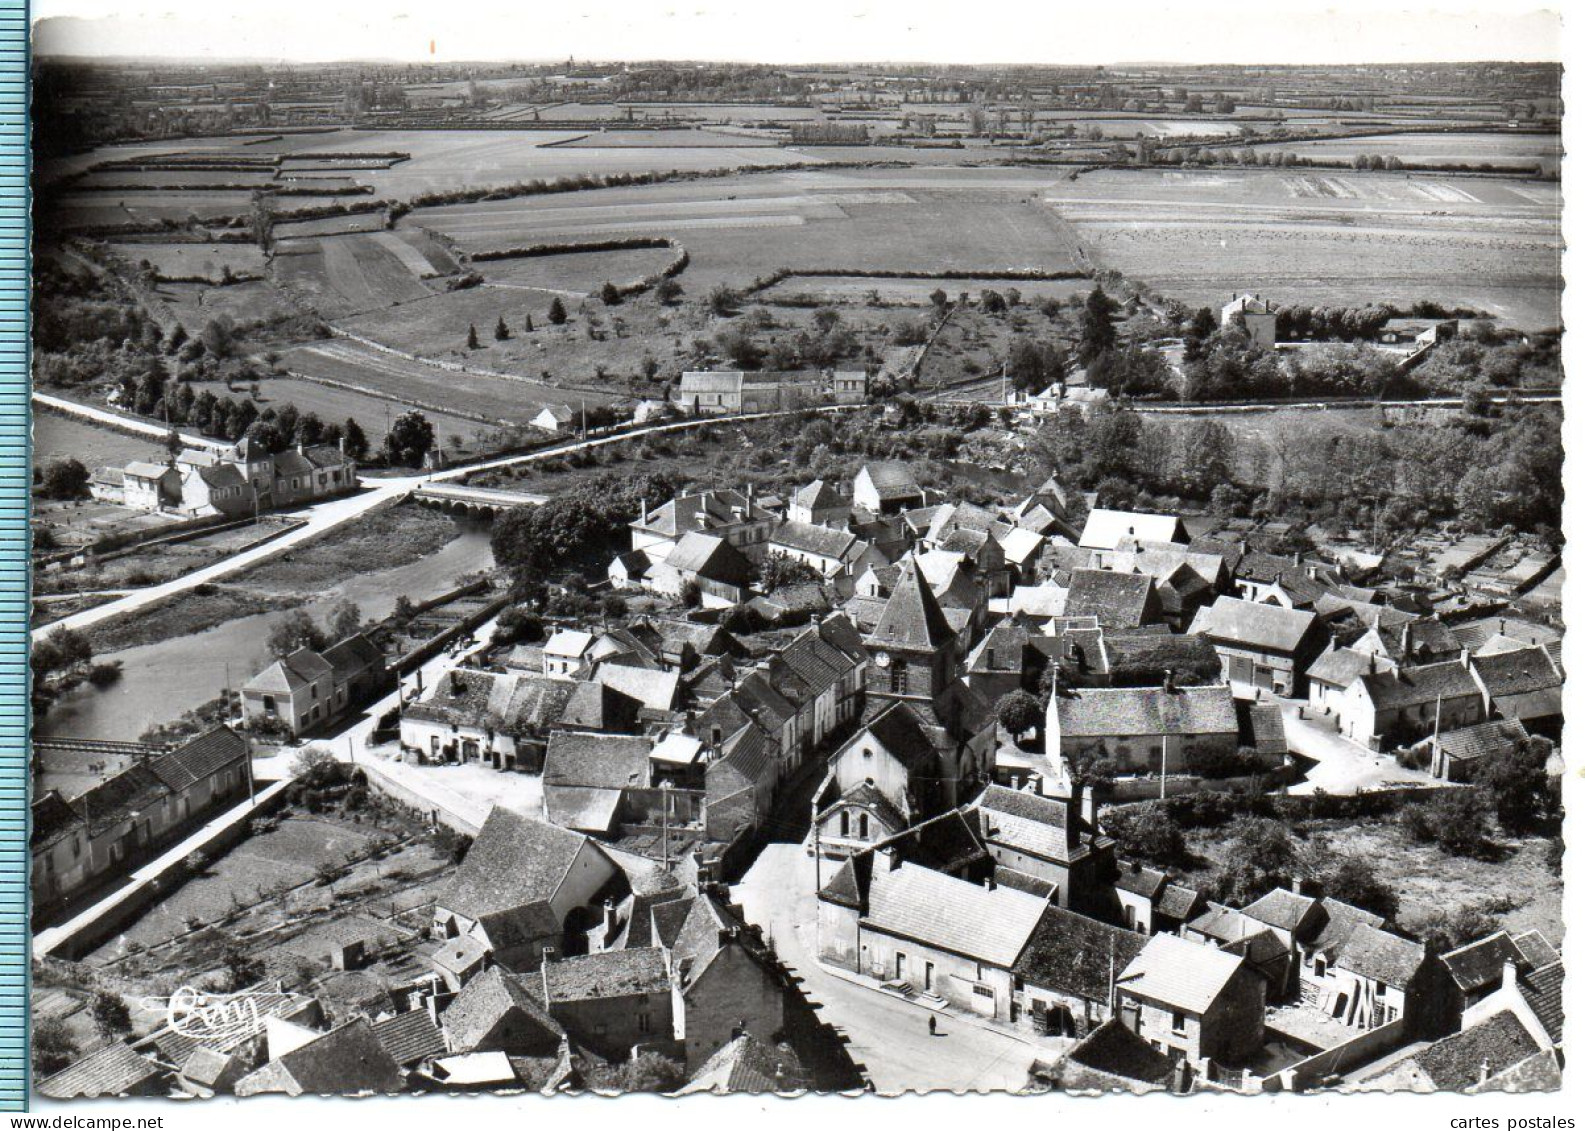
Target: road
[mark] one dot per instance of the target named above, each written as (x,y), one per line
(1340,766)
(887,1035)
(122,422)
(325,516)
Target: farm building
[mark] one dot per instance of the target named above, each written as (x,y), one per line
(1258,316)
(711,394)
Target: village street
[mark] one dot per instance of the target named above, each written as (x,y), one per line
(1340,766)
(887,1035)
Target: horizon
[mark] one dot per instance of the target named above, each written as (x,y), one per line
(1314,33)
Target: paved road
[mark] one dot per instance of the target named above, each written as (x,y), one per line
(1341,766)
(886,1034)
(325,516)
(122,422)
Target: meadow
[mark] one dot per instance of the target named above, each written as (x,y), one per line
(1502,150)
(57,436)
(373,413)
(207,261)
(347,274)
(194,304)
(1346,239)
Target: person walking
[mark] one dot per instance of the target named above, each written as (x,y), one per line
(932,1024)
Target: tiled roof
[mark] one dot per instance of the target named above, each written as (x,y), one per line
(356,654)
(1339,921)
(707,381)
(584,809)
(53,818)
(605,761)
(1117,600)
(111,1070)
(823,541)
(892,479)
(513,862)
(945,843)
(1177,902)
(485,1000)
(205,1066)
(1464,1059)
(1340,667)
(344,1061)
(1519,672)
(1074,954)
(817,494)
(1406,687)
(611,973)
(216,749)
(1543,993)
(1270,628)
(1038,826)
(1218,921)
(1536,950)
(1104,528)
(911,618)
(1483,740)
(410,1037)
(1478,965)
(897,730)
(1377,955)
(118,797)
(1114,1052)
(1179,973)
(746,1065)
(1114,711)
(1281,908)
(1137,879)
(988,925)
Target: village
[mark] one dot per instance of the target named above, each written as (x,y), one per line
(569,577)
(866,730)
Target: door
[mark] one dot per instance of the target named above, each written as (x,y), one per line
(902,966)
(930,976)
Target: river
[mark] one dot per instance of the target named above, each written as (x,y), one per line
(159,681)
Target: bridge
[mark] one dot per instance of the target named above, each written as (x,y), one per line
(97,746)
(461,499)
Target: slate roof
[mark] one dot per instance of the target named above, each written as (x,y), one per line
(584,809)
(1495,1045)
(1380,956)
(1117,600)
(111,1070)
(410,1037)
(709,557)
(347,1060)
(1339,921)
(1074,954)
(217,749)
(1137,879)
(818,494)
(1115,711)
(912,618)
(485,1000)
(1408,687)
(1281,908)
(823,541)
(608,974)
(892,479)
(1179,973)
(1264,730)
(1113,1052)
(515,861)
(1525,678)
(205,1066)
(1104,528)
(1483,740)
(1038,826)
(988,925)
(1339,667)
(1268,628)
(720,507)
(1536,950)
(710,381)
(1543,993)
(1177,902)
(898,731)
(1478,965)
(745,1065)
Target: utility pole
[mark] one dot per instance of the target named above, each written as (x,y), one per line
(665,824)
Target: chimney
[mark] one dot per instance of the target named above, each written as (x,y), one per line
(456,683)
(1167,683)
(1087,805)
(1370,664)
(1463,658)
(1403,638)
(1134,867)
(1485,1070)
(1510,974)
(610,919)
(702,519)
(990,883)
(1297,885)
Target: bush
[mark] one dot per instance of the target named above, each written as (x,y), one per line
(110,1013)
(1145,832)
(1457,820)
(52,1046)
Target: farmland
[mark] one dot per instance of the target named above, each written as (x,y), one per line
(194,304)
(346,274)
(56,436)
(577,274)
(1344,238)
(373,413)
(205,261)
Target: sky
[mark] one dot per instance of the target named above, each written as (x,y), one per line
(776,31)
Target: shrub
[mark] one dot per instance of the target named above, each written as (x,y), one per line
(1145,832)
(110,1014)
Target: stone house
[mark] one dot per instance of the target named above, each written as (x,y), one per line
(1264,647)
(1193,1001)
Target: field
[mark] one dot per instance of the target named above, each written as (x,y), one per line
(194,260)
(915,291)
(1341,239)
(661,139)
(576,275)
(373,414)
(57,436)
(342,275)
(738,228)
(496,399)
(1501,150)
(194,304)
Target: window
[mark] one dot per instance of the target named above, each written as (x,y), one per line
(269,704)
(1381,987)
(644,1023)
(1320,966)
(984,991)
(843,821)
(864,826)
(899,679)
(1179,1022)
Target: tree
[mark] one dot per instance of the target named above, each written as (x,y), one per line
(779,570)
(558,312)
(1444,930)
(1521,793)
(1033,366)
(1355,881)
(241,969)
(52,1046)
(344,621)
(609,294)
(501,332)
(528,323)
(1208,454)
(518,625)
(294,630)
(938,299)
(1097,335)
(1262,856)
(1146,832)
(357,444)
(1019,713)
(64,479)
(63,649)
(110,1014)
(473,337)
(1458,821)
(410,439)
(266,434)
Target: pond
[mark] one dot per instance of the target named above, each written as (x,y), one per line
(159,681)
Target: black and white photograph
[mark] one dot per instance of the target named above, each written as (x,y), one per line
(834,549)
